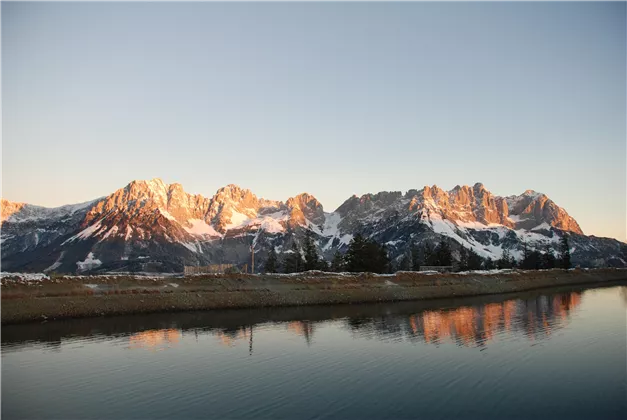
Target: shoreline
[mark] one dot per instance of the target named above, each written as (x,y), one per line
(83,297)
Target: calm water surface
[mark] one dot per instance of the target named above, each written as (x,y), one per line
(551,354)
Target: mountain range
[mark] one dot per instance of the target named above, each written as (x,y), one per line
(154,226)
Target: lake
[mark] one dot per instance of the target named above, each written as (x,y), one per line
(557,353)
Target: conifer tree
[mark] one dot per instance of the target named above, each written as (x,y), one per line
(443,254)
(548,259)
(293,262)
(365,255)
(428,255)
(463,259)
(416,258)
(271,262)
(337,264)
(312,261)
(564,252)
(532,260)
(505,261)
(475,261)
(405,262)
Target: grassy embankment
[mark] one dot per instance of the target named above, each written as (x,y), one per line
(84,296)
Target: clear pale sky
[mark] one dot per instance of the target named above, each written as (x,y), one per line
(328,98)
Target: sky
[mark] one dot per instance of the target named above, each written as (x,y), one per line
(333,99)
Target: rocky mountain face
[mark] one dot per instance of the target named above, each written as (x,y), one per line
(153,226)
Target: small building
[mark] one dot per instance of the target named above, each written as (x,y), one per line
(440,268)
(209,269)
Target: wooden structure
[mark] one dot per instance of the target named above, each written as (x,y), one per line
(208,269)
(440,268)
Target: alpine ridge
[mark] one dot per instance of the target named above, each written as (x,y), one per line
(154,226)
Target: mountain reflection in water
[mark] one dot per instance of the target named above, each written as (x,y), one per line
(470,326)
(559,351)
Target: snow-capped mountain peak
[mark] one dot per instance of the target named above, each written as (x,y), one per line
(151,222)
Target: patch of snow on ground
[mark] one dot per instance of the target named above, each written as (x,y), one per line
(25,276)
(496,271)
(89,263)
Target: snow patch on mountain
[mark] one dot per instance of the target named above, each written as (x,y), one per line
(85,233)
(271,223)
(237,220)
(200,227)
(167,214)
(331,222)
(31,213)
(89,263)
(543,226)
(193,246)
(56,264)
(113,231)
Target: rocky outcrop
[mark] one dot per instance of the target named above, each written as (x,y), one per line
(532,209)
(303,208)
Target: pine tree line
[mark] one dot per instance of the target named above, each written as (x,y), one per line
(366,255)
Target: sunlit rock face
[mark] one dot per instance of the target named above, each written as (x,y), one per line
(533,209)
(154,226)
(9,208)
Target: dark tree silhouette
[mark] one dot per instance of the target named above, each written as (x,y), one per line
(443,254)
(506,260)
(312,260)
(416,258)
(293,261)
(564,252)
(365,255)
(548,259)
(271,262)
(337,264)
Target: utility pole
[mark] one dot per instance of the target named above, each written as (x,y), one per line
(250,342)
(252,259)
(252,252)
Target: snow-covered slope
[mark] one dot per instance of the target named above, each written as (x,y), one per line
(151,225)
